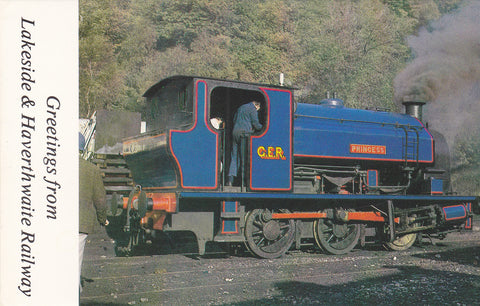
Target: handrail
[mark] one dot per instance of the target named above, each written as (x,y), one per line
(411,128)
(396,124)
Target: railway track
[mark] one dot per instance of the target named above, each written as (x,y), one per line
(447,272)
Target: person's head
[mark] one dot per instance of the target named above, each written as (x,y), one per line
(257,105)
(81,142)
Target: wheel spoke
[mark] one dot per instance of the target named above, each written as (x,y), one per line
(259,242)
(258,224)
(256,233)
(330,238)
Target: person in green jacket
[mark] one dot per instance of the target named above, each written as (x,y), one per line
(92,204)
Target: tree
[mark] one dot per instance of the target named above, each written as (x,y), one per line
(100,74)
(353,48)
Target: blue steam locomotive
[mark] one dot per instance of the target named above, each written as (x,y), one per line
(319,173)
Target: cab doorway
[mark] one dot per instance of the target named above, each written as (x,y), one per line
(224,102)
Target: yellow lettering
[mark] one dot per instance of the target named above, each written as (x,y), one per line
(261,152)
(271,152)
(279,153)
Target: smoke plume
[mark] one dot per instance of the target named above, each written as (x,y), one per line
(445,72)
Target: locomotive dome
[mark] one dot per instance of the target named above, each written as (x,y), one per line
(334,103)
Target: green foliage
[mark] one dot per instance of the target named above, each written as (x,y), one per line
(180,22)
(115,47)
(352,47)
(355,49)
(447,6)
(466,156)
(467,149)
(467,182)
(100,73)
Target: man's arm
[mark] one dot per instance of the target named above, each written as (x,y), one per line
(254,119)
(99,197)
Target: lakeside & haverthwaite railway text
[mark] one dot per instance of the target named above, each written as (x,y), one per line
(32,128)
(27,172)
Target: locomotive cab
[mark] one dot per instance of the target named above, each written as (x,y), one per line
(223,103)
(182,150)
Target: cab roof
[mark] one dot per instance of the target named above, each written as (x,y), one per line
(150,92)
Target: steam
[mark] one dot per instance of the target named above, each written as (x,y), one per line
(446,72)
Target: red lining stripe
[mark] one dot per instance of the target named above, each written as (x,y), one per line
(264,90)
(191,129)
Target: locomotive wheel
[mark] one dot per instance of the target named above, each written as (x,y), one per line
(402,243)
(335,237)
(265,237)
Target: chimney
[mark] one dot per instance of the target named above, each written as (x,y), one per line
(413,107)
